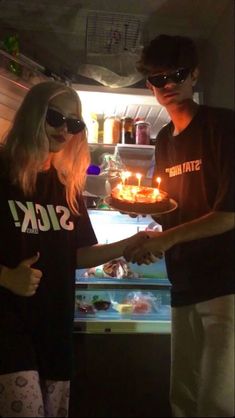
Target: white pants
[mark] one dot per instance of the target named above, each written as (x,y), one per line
(22,394)
(202,369)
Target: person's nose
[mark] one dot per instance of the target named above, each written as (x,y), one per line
(64,127)
(169,84)
(170,81)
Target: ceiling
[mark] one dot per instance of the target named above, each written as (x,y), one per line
(99,40)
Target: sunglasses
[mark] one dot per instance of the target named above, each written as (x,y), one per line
(56,119)
(160,80)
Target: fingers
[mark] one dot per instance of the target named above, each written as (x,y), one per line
(143,235)
(35,279)
(145,258)
(137,242)
(142,255)
(32,277)
(36,273)
(30,261)
(132,251)
(31,290)
(128,252)
(152,258)
(33,286)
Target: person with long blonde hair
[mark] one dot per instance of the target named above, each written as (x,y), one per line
(45,234)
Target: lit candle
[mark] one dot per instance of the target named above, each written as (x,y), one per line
(123,178)
(158,182)
(156,193)
(138,175)
(127,174)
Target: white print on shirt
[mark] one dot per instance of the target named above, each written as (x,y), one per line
(39,218)
(186,167)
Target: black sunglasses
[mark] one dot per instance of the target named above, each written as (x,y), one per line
(160,80)
(56,119)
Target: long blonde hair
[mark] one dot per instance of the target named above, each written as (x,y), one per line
(26,145)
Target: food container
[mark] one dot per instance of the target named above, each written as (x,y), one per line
(127,131)
(142,133)
(112,130)
(101,305)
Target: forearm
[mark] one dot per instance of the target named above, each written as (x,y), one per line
(3,270)
(214,223)
(100,253)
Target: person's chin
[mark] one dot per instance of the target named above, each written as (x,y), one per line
(56,147)
(171,99)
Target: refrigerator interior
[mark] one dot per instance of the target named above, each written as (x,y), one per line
(111,226)
(119,296)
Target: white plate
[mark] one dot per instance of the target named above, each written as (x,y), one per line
(173,206)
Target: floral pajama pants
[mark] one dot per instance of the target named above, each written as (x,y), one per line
(23,394)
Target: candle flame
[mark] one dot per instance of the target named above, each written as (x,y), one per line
(158,182)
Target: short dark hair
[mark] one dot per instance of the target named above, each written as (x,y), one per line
(168,52)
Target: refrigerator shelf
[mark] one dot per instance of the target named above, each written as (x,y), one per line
(115,283)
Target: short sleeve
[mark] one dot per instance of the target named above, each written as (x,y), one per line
(85,232)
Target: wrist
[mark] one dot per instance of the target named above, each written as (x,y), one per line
(3,272)
(170,238)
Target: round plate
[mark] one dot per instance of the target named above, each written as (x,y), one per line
(173,206)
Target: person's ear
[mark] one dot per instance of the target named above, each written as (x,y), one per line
(149,86)
(195,75)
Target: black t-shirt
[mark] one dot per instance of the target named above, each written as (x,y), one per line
(36,332)
(197,170)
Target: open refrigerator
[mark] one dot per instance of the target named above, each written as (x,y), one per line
(121,297)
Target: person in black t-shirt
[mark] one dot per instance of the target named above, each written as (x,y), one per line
(195,160)
(45,234)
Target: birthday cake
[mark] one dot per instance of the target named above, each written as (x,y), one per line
(140,199)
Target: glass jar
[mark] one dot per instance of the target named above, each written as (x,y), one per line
(127,131)
(142,133)
(112,130)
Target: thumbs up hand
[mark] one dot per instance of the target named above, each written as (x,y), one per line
(22,280)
